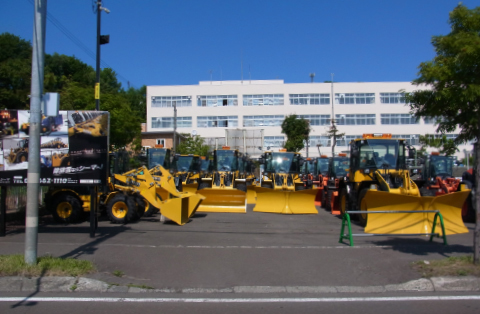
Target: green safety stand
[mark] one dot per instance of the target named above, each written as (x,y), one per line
(346,221)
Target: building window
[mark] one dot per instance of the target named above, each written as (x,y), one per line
(355,119)
(263,100)
(323,141)
(170,101)
(392,98)
(217,121)
(160,141)
(344,141)
(263,120)
(398,118)
(355,98)
(273,141)
(309,99)
(217,100)
(167,122)
(410,139)
(429,120)
(317,119)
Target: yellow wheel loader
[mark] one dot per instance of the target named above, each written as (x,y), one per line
(174,205)
(379,180)
(187,169)
(282,189)
(224,190)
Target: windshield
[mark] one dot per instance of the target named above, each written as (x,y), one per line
(282,163)
(186,163)
(158,156)
(322,166)
(441,165)
(382,154)
(205,165)
(226,160)
(340,166)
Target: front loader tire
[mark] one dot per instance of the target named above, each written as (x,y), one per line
(362,206)
(121,209)
(66,208)
(328,200)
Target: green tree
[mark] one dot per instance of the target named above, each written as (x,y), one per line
(297,131)
(136,99)
(15,71)
(453,78)
(192,145)
(442,144)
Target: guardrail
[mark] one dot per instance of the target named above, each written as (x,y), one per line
(349,236)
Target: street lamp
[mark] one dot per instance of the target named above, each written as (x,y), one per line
(101,39)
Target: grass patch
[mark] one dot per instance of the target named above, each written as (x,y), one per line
(451,266)
(118,273)
(139,286)
(14,265)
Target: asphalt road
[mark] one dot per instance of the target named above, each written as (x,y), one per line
(218,250)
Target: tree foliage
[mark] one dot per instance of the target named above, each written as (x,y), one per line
(297,131)
(192,145)
(74,80)
(453,97)
(443,144)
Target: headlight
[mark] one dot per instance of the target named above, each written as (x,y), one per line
(367,171)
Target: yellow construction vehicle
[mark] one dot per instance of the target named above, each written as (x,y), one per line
(18,154)
(88,123)
(282,189)
(223,189)
(175,206)
(379,180)
(60,159)
(187,169)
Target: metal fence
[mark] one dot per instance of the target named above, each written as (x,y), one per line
(17,198)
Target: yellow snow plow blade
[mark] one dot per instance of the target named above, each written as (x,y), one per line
(180,209)
(285,202)
(191,187)
(251,195)
(449,205)
(223,201)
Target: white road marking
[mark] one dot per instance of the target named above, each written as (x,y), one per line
(240,300)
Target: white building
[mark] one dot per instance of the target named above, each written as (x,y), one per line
(210,107)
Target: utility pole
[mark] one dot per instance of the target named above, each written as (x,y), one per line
(101,39)
(334,140)
(36,91)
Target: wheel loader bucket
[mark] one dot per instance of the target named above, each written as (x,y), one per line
(285,202)
(180,209)
(449,205)
(192,187)
(251,195)
(223,201)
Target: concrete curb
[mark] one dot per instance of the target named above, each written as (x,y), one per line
(81,284)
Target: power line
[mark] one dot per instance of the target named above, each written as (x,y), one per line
(79,43)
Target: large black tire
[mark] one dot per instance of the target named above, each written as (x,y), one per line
(242,187)
(66,208)
(468,211)
(141,205)
(121,209)
(362,218)
(21,157)
(323,198)
(344,201)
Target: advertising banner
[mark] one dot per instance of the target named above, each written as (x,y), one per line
(73,148)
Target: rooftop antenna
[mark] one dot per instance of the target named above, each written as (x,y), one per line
(210,71)
(249,74)
(312,75)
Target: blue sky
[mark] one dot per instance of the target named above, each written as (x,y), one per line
(181,42)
